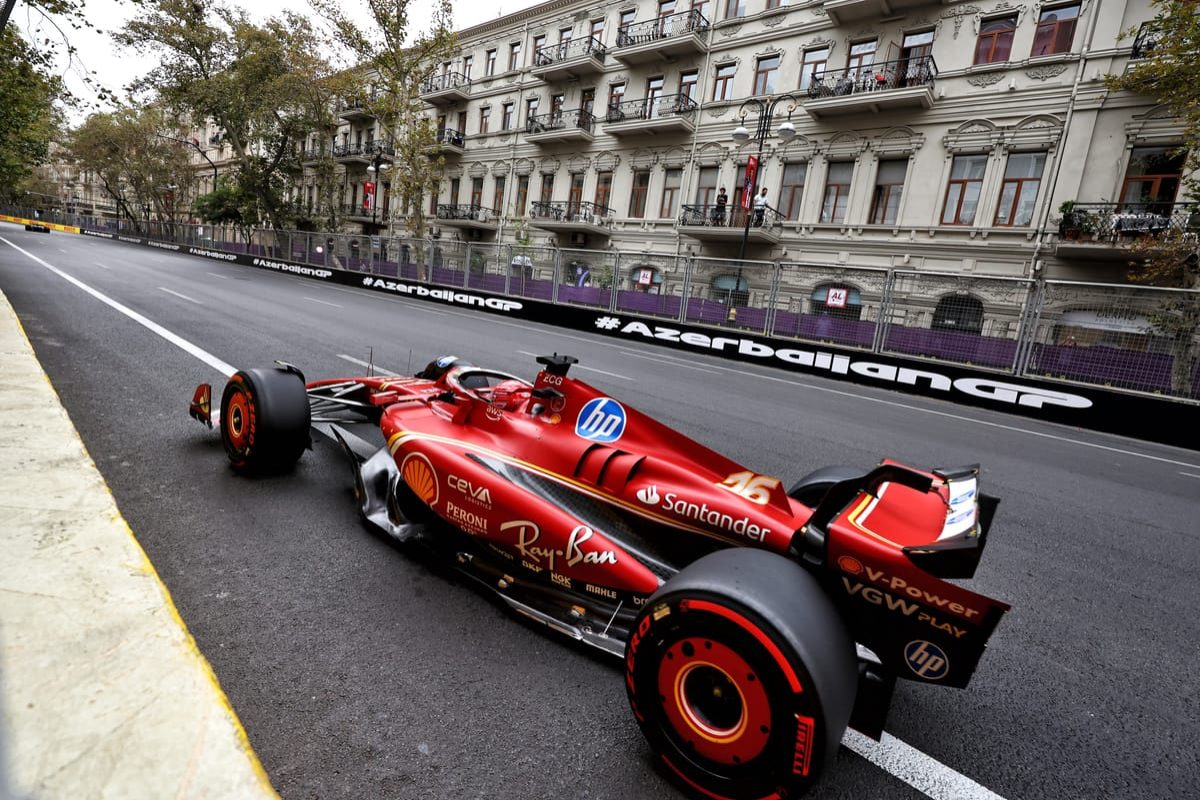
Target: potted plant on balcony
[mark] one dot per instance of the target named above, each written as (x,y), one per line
(1070,225)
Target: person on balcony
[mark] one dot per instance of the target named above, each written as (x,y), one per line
(760,208)
(718,211)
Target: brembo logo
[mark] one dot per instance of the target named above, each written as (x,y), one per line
(1000,391)
(285,267)
(445,295)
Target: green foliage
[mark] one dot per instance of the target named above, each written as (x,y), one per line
(28,121)
(224,206)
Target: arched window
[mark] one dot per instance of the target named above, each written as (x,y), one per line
(958,312)
(837,300)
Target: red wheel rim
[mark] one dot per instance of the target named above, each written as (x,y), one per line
(714,700)
(239,420)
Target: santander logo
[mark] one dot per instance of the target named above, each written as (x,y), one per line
(649,495)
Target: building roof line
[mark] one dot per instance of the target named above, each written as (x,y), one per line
(517,16)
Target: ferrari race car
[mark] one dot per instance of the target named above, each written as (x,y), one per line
(755,622)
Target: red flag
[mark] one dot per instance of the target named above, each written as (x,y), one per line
(368,195)
(748,188)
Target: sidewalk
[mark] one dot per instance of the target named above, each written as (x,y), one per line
(103,693)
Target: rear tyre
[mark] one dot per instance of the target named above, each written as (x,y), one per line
(264,420)
(811,489)
(741,676)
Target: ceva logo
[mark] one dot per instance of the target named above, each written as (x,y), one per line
(649,495)
(601,420)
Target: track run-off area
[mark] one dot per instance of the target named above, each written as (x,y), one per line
(359,671)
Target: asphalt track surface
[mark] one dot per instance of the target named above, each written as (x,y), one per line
(361,672)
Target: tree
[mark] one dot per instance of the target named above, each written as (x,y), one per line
(28,121)
(1170,259)
(256,83)
(392,63)
(138,155)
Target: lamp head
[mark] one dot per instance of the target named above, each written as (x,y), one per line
(787,131)
(741,135)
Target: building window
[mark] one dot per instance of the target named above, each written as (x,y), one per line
(773,4)
(467,63)
(764,74)
(1152,179)
(791,189)
(735,8)
(455,187)
(462,123)
(485,115)
(814,62)
(498,195)
(689,85)
(489,63)
(598,30)
(1055,30)
(962,195)
(670,196)
(603,190)
(654,92)
(723,82)
(531,108)
(575,193)
(564,39)
(958,312)
(706,186)
(862,56)
(522,195)
(506,116)
(626,19)
(476,192)
(587,100)
(837,192)
(616,95)
(889,186)
(547,187)
(1018,193)
(539,44)
(637,198)
(995,40)
(701,7)
(514,56)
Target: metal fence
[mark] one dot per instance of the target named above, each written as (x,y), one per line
(1130,338)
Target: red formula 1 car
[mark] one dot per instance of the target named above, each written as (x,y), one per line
(755,622)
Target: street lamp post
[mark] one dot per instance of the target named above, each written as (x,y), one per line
(741,135)
(377,167)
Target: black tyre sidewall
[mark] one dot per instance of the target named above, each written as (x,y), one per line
(775,617)
(279,424)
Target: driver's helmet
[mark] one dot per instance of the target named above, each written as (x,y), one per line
(435,369)
(510,394)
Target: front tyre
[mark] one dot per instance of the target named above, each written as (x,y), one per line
(741,676)
(264,420)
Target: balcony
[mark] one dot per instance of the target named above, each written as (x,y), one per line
(710,223)
(571,217)
(1104,231)
(884,86)
(468,217)
(574,59)
(844,12)
(1149,37)
(313,155)
(670,114)
(364,153)
(361,213)
(447,89)
(355,110)
(671,37)
(560,126)
(448,142)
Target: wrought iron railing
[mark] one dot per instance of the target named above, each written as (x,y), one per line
(561,120)
(1118,223)
(359,210)
(882,76)
(671,105)
(449,80)
(315,153)
(470,211)
(1149,36)
(727,216)
(369,148)
(450,136)
(662,28)
(552,53)
(571,211)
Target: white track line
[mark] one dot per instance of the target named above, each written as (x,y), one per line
(183,296)
(918,770)
(676,363)
(1190,474)
(322,302)
(581,366)
(910,765)
(102,266)
(178,341)
(218,275)
(378,370)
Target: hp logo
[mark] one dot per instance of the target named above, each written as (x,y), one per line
(927,660)
(601,420)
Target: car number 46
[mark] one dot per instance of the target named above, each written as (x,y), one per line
(755,488)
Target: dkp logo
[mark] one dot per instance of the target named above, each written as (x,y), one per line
(927,660)
(601,420)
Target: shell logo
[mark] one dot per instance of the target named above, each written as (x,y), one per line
(418,473)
